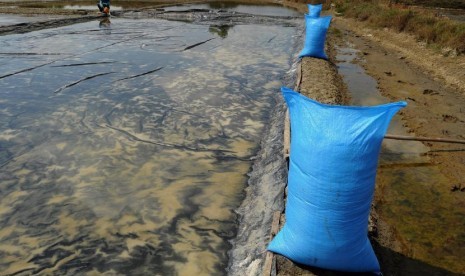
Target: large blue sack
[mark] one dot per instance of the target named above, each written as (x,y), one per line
(314,10)
(332,170)
(315,36)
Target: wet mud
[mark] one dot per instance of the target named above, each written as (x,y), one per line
(414,180)
(126,144)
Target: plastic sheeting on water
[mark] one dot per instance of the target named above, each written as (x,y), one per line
(314,10)
(315,36)
(333,162)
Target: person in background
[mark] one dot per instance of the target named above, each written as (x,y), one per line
(104,6)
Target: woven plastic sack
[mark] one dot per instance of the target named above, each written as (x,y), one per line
(314,10)
(315,36)
(333,161)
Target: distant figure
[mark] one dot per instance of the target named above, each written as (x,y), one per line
(104,6)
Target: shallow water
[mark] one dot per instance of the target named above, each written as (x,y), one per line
(11,19)
(364,91)
(90,7)
(125,145)
(412,195)
(256,9)
(267,10)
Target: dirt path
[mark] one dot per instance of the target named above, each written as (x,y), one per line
(433,86)
(436,97)
(441,65)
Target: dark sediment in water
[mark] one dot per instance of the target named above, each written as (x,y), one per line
(265,191)
(264,197)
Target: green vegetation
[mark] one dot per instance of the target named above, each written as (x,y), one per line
(426,26)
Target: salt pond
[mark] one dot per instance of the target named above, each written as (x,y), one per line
(125,145)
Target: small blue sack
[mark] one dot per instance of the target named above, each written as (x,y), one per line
(314,10)
(315,36)
(332,171)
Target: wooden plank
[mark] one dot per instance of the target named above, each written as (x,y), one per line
(287,124)
(268,266)
(269,258)
(424,139)
(275,224)
(287,136)
(299,77)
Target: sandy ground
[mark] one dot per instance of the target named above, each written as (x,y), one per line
(431,83)
(398,62)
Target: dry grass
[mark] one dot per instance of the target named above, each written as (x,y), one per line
(426,26)
(452,4)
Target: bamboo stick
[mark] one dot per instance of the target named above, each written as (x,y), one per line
(299,77)
(268,266)
(287,136)
(424,139)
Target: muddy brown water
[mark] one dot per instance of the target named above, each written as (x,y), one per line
(364,92)
(412,194)
(125,144)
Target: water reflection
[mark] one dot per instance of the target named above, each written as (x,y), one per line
(221,30)
(105,25)
(88,7)
(127,155)
(267,10)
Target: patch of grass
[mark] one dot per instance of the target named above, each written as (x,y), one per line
(424,25)
(393,18)
(335,32)
(362,11)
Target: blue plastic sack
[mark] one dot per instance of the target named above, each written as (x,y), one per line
(333,162)
(315,36)
(314,10)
